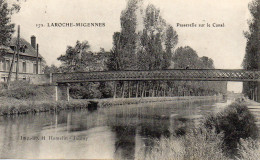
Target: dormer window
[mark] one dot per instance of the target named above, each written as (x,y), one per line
(13,48)
(23,48)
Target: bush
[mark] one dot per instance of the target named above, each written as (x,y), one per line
(198,144)
(203,144)
(236,122)
(164,149)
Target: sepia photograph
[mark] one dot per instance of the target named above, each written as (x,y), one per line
(130,79)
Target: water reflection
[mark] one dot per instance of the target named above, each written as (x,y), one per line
(117,132)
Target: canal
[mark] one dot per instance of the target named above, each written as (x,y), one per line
(117,132)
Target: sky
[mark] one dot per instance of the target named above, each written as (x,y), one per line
(225,45)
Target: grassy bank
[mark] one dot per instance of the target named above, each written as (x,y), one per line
(11,106)
(229,134)
(126,101)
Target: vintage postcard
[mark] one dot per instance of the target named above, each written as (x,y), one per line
(130,79)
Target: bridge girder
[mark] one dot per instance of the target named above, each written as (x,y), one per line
(173,74)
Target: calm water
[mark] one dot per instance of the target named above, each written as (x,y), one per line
(114,133)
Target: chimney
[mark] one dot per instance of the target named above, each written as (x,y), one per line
(33,41)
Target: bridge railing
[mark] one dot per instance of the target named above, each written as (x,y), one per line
(174,74)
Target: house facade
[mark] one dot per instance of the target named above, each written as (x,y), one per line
(28,60)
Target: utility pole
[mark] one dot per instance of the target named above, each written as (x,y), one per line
(18,50)
(11,70)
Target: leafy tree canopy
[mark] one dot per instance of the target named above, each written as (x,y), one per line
(252,56)
(7,8)
(75,57)
(185,57)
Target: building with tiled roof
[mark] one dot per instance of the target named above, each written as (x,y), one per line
(27,59)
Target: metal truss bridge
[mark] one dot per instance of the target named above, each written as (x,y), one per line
(173,74)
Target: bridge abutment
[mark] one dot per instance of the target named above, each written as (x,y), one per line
(62,92)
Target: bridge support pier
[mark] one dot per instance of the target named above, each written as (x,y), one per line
(62,92)
(257,91)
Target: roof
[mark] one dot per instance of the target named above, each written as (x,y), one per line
(29,51)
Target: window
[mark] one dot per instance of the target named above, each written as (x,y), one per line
(34,68)
(24,67)
(14,66)
(4,65)
(1,65)
(7,65)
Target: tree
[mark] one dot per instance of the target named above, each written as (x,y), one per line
(157,41)
(128,35)
(75,58)
(115,58)
(185,57)
(51,69)
(6,27)
(123,54)
(207,63)
(143,43)
(252,56)
(78,59)
(170,43)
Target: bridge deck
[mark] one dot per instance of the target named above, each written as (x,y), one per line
(174,74)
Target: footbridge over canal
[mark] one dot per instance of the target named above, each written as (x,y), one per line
(62,80)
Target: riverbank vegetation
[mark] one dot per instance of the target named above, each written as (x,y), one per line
(231,133)
(11,106)
(127,101)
